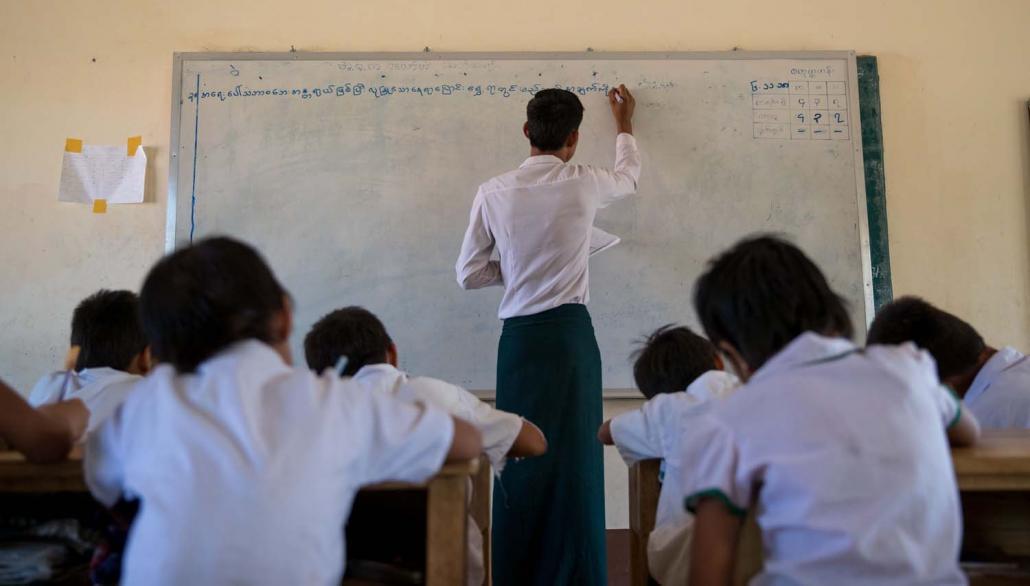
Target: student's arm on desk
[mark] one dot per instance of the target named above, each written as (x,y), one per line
(965,430)
(467,442)
(42,435)
(713,549)
(474,268)
(529,443)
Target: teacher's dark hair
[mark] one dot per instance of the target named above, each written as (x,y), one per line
(553,115)
(354,332)
(761,294)
(203,298)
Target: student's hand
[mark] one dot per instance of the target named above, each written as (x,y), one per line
(622,111)
(71,415)
(604,433)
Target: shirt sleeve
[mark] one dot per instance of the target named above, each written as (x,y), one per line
(47,389)
(712,467)
(947,403)
(404,441)
(613,185)
(474,268)
(500,429)
(637,433)
(104,460)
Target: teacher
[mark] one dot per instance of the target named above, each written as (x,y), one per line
(548,517)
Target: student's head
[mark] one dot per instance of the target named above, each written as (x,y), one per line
(758,296)
(552,122)
(670,359)
(106,332)
(954,344)
(207,296)
(353,332)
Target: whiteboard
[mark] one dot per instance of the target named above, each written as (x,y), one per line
(354,175)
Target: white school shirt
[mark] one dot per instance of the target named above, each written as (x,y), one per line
(246,470)
(1000,394)
(850,452)
(499,429)
(655,431)
(539,218)
(101,389)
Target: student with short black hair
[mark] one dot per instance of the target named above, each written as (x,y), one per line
(354,342)
(246,467)
(994,384)
(539,220)
(841,449)
(680,373)
(107,357)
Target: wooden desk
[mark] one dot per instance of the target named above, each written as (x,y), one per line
(447,505)
(993,479)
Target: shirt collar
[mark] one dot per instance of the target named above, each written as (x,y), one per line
(1001,361)
(541,160)
(370,370)
(257,359)
(807,349)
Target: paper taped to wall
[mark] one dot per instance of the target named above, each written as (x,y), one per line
(90,173)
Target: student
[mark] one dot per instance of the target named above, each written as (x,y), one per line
(355,337)
(538,219)
(679,372)
(843,451)
(994,384)
(246,467)
(41,435)
(109,354)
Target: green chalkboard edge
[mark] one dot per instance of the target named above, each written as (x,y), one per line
(875,186)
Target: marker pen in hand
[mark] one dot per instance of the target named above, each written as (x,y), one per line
(618,97)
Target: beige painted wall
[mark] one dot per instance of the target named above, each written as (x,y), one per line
(954,86)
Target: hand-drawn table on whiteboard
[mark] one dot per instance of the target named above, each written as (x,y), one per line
(354,174)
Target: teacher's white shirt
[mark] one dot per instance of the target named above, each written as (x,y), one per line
(538,218)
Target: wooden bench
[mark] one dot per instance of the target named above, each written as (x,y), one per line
(447,505)
(993,479)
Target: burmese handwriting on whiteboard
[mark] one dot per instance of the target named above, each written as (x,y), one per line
(800,109)
(103,173)
(352,89)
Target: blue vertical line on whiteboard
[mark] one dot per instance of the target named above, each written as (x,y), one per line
(193,190)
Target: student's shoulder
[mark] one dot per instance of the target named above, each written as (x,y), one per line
(48,388)
(906,362)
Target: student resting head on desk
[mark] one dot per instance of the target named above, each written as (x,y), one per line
(246,467)
(679,372)
(843,450)
(108,356)
(994,384)
(357,341)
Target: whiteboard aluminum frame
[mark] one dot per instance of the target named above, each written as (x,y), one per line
(179,59)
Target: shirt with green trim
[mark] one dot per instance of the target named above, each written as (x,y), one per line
(844,454)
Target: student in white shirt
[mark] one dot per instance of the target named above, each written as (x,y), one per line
(108,352)
(538,219)
(843,451)
(245,467)
(680,373)
(994,384)
(356,339)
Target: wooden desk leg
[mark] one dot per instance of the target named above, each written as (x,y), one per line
(643,508)
(446,539)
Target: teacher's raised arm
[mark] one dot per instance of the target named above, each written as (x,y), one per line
(549,525)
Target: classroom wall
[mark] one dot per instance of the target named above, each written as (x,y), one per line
(954,85)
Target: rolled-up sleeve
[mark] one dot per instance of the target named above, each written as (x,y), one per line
(712,468)
(474,268)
